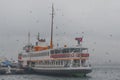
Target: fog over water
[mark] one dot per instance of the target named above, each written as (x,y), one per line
(97,20)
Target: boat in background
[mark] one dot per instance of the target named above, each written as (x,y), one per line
(45,59)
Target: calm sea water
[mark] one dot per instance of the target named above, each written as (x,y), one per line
(98,73)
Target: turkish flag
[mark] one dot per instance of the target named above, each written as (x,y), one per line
(79,39)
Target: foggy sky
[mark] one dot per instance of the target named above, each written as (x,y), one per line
(97,20)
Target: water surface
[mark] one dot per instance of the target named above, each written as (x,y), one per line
(98,73)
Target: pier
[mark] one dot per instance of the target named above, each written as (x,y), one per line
(6,70)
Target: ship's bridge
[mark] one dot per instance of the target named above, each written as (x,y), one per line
(69,50)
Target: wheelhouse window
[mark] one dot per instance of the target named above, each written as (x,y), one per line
(65,50)
(57,51)
(52,51)
(77,50)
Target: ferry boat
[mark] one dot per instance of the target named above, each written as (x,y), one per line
(55,61)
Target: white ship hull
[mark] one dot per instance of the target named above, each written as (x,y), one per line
(79,71)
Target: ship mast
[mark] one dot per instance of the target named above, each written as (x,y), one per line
(28,38)
(51,41)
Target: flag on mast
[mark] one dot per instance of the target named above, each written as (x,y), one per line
(79,39)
